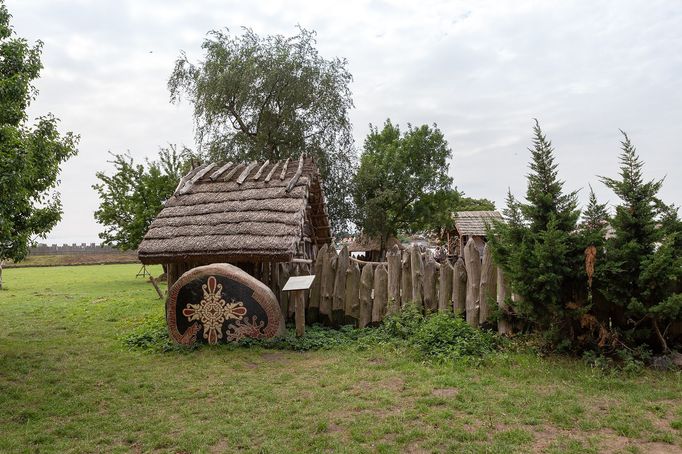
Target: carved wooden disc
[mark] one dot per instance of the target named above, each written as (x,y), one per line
(221,303)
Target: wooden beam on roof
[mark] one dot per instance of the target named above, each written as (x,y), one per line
(232,172)
(220,171)
(296,176)
(246,172)
(198,176)
(260,171)
(272,171)
(284,169)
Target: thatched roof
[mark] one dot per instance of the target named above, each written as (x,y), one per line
(246,212)
(474,222)
(363,243)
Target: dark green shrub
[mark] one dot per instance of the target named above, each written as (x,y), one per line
(444,336)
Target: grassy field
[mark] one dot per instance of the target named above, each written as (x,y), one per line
(68,384)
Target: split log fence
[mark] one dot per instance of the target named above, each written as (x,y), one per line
(350,291)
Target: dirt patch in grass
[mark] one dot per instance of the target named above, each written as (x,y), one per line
(445,392)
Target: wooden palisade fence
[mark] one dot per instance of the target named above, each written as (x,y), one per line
(350,291)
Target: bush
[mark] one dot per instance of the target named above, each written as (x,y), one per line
(444,336)
(436,336)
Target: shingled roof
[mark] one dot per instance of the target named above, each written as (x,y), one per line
(244,212)
(474,222)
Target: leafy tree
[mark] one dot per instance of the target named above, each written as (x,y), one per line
(272,97)
(464,203)
(30,157)
(131,198)
(643,269)
(539,248)
(402,183)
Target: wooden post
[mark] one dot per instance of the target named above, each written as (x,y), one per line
(445,290)
(284,299)
(459,287)
(394,266)
(488,290)
(314,306)
(406,278)
(503,294)
(430,300)
(298,298)
(366,285)
(417,276)
(380,294)
(327,285)
(352,298)
(338,304)
(172,274)
(472,261)
(156,287)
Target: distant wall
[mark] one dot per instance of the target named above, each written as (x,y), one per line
(83,248)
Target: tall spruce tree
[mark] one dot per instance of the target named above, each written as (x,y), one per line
(643,271)
(538,246)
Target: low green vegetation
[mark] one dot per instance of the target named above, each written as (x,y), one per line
(71,382)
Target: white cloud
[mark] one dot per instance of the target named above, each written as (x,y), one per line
(481,70)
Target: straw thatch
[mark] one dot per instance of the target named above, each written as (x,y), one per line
(474,223)
(248,212)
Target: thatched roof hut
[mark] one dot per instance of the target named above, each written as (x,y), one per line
(241,213)
(475,223)
(364,243)
(470,224)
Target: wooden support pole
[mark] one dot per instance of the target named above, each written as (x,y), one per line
(327,285)
(445,289)
(338,304)
(504,327)
(315,289)
(430,301)
(272,172)
(380,294)
(405,278)
(394,268)
(417,267)
(220,171)
(352,297)
(459,287)
(296,176)
(284,169)
(246,172)
(488,290)
(366,286)
(472,261)
(298,298)
(156,287)
(260,170)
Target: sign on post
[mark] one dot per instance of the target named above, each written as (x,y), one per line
(297,285)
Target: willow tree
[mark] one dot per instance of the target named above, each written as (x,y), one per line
(272,97)
(30,155)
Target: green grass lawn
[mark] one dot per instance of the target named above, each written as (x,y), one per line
(68,384)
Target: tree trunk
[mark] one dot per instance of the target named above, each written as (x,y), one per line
(339,301)
(406,278)
(394,265)
(488,290)
(445,290)
(380,294)
(472,261)
(2,263)
(352,298)
(429,283)
(366,285)
(459,287)
(503,294)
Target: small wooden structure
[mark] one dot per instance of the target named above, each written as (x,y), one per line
(370,247)
(247,214)
(264,220)
(470,225)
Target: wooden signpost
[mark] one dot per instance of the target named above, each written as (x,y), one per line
(297,285)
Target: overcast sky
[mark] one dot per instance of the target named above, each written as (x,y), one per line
(481,70)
